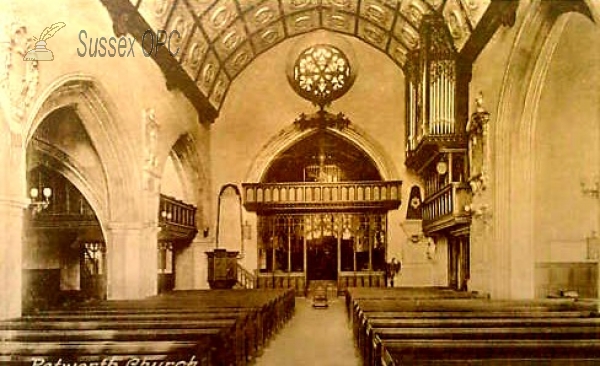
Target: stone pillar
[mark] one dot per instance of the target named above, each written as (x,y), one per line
(11,226)
(191,266)
(132,261)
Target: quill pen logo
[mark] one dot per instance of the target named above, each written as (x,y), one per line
(40,52)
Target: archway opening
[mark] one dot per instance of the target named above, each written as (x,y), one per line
(331,227)
(566,142)
(181,189)
(64,253)
(322,157)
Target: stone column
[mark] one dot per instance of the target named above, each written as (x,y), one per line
(11,226)
(191,265)
(132,261)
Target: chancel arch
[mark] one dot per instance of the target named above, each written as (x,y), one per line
(351,134)
(321,207)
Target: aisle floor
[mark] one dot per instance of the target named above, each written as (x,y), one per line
(316,337)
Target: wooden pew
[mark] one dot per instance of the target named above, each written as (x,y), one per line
(418,330)
(17,353)
(491,352)
(218,328)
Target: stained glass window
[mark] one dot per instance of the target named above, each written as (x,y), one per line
(322,74)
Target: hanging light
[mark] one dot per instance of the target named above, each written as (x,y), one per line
(37,203)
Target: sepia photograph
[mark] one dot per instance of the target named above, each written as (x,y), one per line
(299,182)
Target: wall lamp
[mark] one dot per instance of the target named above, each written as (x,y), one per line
(166,215)
(39,203)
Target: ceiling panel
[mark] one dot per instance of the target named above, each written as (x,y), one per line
(219,17)
(475,10)
(292,6)
(221,37)
(230,39)
(398,52)
(372,34)
(262,15)
(457,22)
(246,5)
(338,21)
(208,73)
(194,54)
(350,6)
(303,22)
(198,7)
(268,37)
(378,13)
(182,21)
(155,12)
(406,33)
(414,11)
(219,90)
(239,60)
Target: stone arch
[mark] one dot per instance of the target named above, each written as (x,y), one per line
(192,172)
(594,8)
(513,253)
(100,120)
(70,169)
(291,135)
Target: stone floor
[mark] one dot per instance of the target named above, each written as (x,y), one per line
(316,337)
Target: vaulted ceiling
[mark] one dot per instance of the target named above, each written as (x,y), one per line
(221,37)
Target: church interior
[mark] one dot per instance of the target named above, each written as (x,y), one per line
(367,148)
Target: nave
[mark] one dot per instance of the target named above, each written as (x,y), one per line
(313,337)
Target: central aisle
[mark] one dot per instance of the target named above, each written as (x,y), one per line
(316,337)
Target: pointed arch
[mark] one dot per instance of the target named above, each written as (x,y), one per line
(292,135)
(100,119)
(531,54)
(192,172)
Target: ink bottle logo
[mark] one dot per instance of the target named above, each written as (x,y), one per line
(40,52)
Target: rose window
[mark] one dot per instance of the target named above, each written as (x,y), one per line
(322,74)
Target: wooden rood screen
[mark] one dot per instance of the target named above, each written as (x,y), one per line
(227,327)
(434,326)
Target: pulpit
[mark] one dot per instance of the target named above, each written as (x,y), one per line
(222,269)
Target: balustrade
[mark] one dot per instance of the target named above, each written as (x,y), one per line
(446,207)
(322,194)
(176,212)
(245,278)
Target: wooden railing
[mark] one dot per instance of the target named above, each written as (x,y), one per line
(294,280)
(245,278)
(360,279)
(384,194)
(175,212)
(176,218)
(447,207)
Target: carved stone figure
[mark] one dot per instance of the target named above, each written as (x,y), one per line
(19,82)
